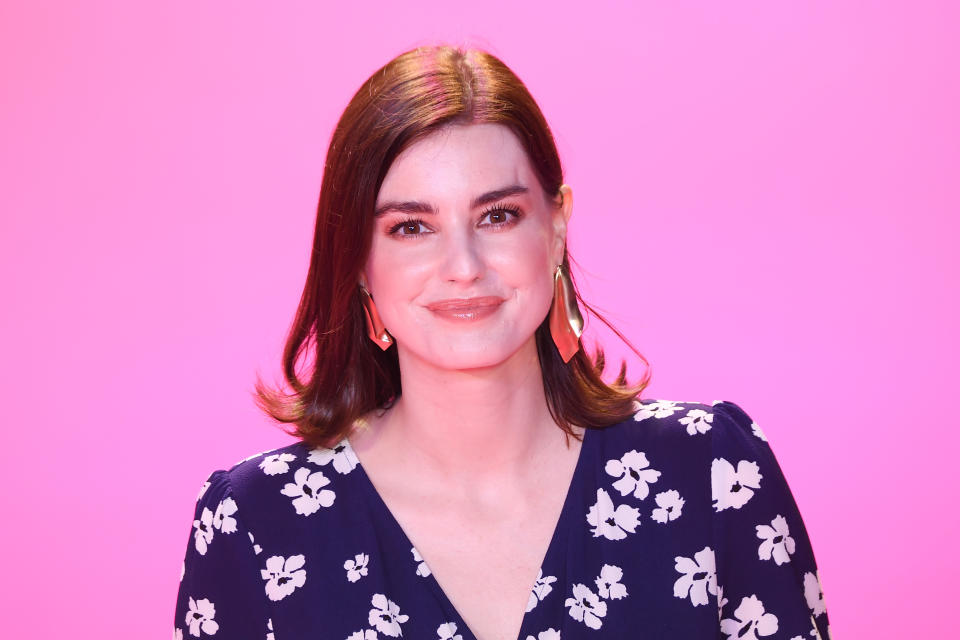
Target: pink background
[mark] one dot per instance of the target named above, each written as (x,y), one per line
(766,204)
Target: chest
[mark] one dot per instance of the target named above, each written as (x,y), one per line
(486,564)
(485,568)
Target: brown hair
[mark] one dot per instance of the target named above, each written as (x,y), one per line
(344,374)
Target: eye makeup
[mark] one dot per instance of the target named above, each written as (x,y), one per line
(511,212)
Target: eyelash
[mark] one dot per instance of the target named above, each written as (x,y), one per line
(510,209)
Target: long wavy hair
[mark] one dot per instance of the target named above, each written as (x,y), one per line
(335,373)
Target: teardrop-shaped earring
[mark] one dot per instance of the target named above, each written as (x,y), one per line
(566,323)
(375,329)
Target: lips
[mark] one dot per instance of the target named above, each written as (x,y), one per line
(465,308)
(465,304)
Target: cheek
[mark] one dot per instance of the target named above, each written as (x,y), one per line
(526,267)
(395,273)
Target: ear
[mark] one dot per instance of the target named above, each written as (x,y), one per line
(561,217)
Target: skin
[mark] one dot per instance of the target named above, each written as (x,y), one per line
(468,459)
(488,370)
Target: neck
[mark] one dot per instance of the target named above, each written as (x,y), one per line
(472,423)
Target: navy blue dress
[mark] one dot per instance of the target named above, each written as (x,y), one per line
(678,523)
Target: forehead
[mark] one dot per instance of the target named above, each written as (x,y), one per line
(458,161)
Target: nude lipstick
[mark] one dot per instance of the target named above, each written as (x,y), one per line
(466,309)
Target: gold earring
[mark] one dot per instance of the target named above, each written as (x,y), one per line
(566,323)
(375,329)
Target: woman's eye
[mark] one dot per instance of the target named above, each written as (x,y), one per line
(407,228)
(501,215)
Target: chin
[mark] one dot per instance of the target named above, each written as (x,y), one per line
(474,356)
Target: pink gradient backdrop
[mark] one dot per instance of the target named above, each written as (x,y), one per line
(766,203)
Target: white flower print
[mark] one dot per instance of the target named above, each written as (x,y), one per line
(776,541)
(283,575)
(222,519)
(657,409)
(447,630)
(256,548)
(422,569)
(721,602)
(733,488)
(200,617)
(307,492)
(549,634)
(385,616)
(609,522)
(541,587)
(608,583)
(697,421)
(366,634)
(183,570)
(749,621)
(669,506)
(177,633)
(203,489)
(277,463)
(342,455)
(757,431)
(586,607)
(633,474)
(203,534)
(357,567)
(813,592)
(270,629)
(699,576)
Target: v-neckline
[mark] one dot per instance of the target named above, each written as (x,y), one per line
(559,533)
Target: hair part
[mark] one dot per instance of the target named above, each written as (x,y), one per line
(335,373)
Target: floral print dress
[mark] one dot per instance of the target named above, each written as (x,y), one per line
(678,523)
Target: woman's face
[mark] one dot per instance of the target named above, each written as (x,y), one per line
(465,244)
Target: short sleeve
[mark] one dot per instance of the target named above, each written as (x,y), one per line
(221,592)
(768,582)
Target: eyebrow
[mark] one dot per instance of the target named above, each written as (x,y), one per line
(413,206)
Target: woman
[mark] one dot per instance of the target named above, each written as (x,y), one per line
(462,471)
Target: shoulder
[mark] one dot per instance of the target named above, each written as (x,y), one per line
(713,453)
(719,440)
(659,418)
(246,474)
(694,416)
(279,496)
(262,479)
(250,473)
(684,431)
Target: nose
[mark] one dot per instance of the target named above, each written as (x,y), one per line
(462,259)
